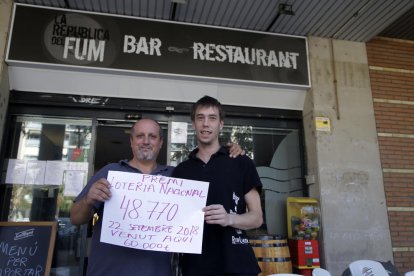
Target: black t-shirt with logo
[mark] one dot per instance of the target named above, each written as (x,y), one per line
(225,249)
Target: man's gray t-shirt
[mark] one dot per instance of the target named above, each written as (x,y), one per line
(107,259)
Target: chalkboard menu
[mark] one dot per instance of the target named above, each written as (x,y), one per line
(26,248)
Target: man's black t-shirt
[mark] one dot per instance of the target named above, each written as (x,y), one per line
(225,249)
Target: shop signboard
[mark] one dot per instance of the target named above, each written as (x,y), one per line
(42,36)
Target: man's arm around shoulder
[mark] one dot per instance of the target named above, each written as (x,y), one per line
(253,218)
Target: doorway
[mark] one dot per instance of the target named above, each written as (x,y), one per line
(47,163)
(274,146)
(50,137)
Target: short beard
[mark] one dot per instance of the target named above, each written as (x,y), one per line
(145,156)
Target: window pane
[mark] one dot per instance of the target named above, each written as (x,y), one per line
(276,154)
(55,154)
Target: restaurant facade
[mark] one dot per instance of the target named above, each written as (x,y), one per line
(74,82)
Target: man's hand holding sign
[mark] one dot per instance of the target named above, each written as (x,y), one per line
(154,212)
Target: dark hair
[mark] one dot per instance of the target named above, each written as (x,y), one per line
(159,126)
(207,101)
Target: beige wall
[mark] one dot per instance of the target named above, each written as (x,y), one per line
(345,161)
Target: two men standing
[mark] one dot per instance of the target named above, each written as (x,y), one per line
(233,202)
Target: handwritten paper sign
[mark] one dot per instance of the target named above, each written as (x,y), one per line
(154,212)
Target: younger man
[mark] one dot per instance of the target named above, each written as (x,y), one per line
(233,201)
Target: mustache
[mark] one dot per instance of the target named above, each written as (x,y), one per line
(145,147)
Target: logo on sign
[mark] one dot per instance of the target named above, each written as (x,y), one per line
(76,39)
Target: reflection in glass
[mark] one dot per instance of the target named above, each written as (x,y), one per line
(37,139)
(276,153)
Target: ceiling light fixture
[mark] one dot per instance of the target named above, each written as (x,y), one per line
(285,9)
(174,6)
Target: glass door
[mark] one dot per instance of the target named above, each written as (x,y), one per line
(47,162)
(276,151)
(273,145)
(74,149)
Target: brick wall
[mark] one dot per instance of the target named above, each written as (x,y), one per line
(391,66)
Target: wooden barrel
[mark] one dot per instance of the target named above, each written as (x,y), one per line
(272,254)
